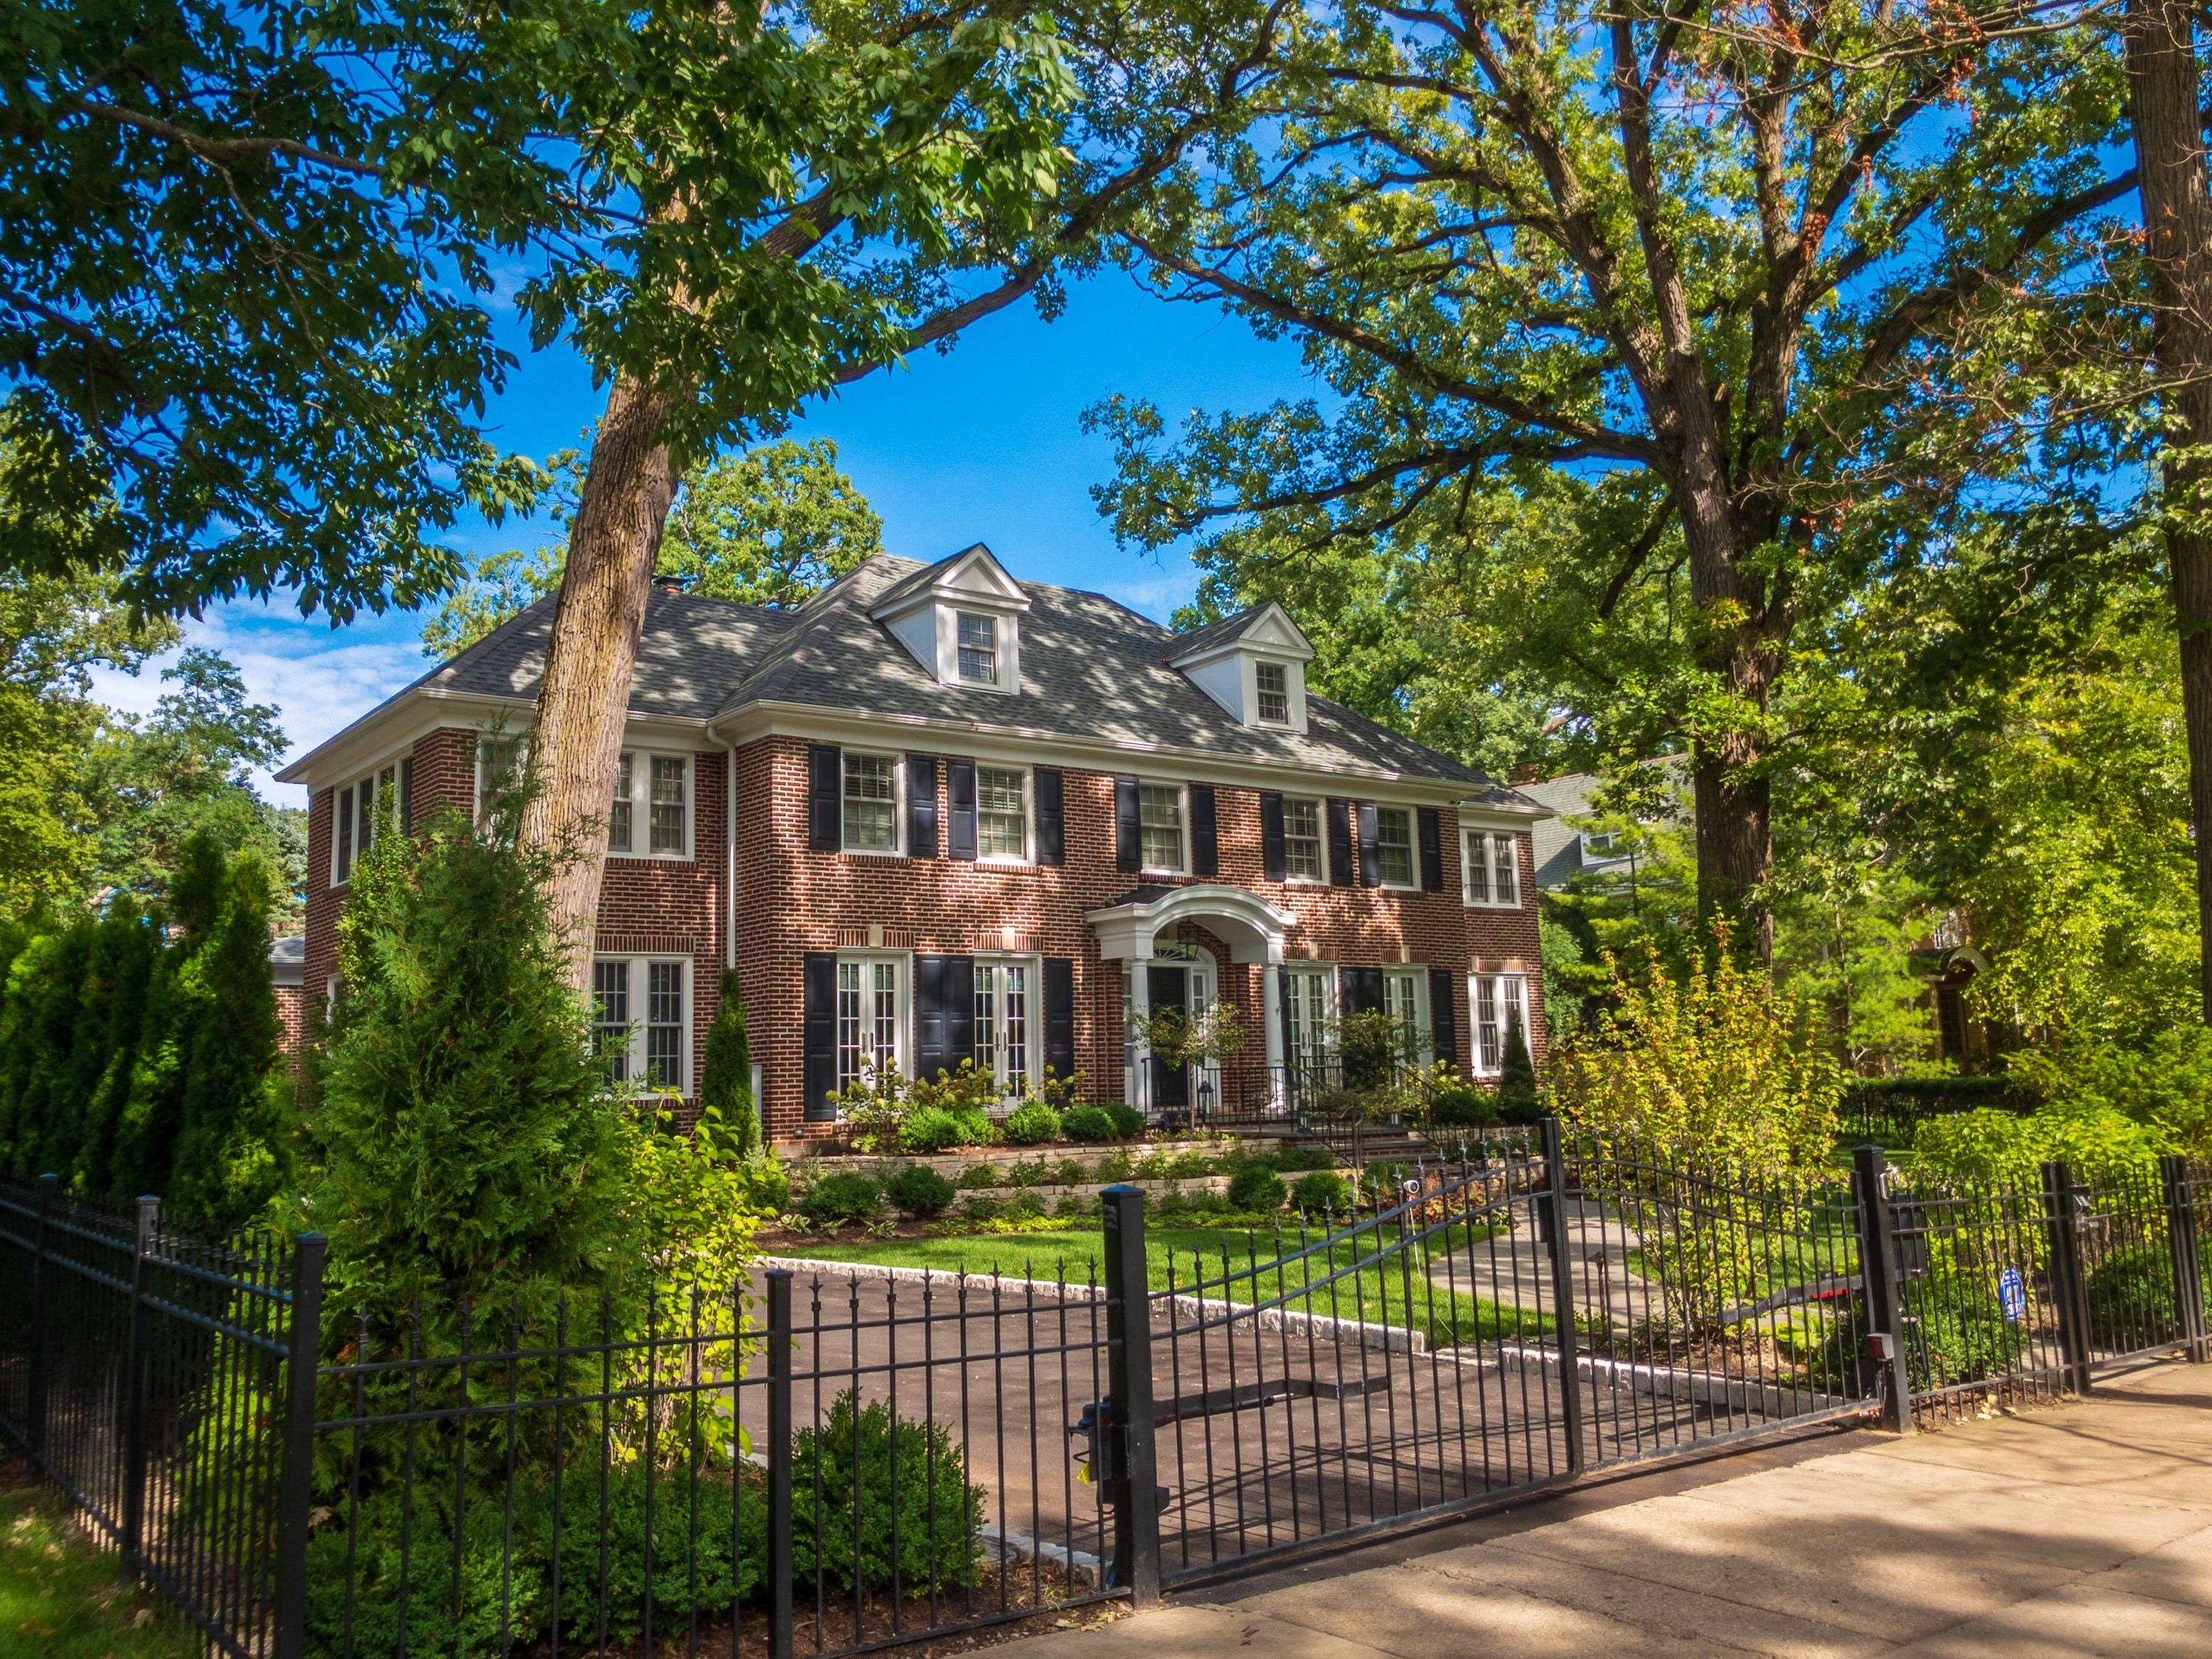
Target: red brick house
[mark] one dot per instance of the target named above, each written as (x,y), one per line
(935,813)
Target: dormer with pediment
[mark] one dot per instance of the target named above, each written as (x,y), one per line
(961,620)
(1253,664)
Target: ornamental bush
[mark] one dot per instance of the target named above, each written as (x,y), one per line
(931,1129)
(1128,1121)
(1031,1125)
(918,1191)
(1464,1108)
(1256,1186)
(844,1197)
(726,1071)
(1322,1191)
(1089,1123)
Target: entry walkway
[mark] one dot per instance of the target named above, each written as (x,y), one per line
(2080,1531)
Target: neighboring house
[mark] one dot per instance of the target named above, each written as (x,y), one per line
(288,969)
(936,814)
(1563,852)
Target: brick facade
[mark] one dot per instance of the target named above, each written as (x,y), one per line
(791,900)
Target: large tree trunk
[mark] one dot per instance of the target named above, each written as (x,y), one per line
(2177,201)
(583,700)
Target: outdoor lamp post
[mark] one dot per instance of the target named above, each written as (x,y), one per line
(1205,1100)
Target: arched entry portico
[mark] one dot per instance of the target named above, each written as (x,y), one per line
(1135,927)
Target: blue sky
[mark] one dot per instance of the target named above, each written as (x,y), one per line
(981,445)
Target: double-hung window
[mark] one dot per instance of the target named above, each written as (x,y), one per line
(653,790)
(1406,997)
(1394,846)
(641,1020)
(1500,1004)
(1273,685)
(1004,1028)
(1001,813)
(1490,868)
(1305,854)
(1160,826)
(979,649)
(872,803)
(360,808)
(500,762)
(869,1010)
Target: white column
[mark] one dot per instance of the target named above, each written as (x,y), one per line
(1271,1001)
(1138,1061)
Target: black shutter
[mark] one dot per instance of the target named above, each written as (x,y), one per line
(960,801)
(1342,873)
(959,1004)
(1271,834)
(1060,1017)
(1128,844)
(1431,832)
(406,792)
(1371,856)
(1292,1058)
(1444,1017)
(929,1044)
(1051,816)
(1205,837)
(922,806)
(825,792)
(818,1027)
(1362,989)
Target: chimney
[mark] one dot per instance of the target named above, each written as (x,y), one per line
(669,582)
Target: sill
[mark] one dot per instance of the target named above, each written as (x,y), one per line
(652,858)
(872,852)
(1397,887)
(1004,862)
(1175,875)
(1305,881)
(1491,904)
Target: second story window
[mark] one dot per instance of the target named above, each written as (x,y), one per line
(665,826)
(1304,857)
(653,790)
(979,649)
(1394,846)
(621,826)
(1490,868)
(1160,826)
(1275,685)
(871,803)
(1001,818)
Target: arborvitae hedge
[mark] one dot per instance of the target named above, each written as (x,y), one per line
(725,1077)
(137,1057)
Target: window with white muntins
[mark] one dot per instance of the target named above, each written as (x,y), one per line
(653,791)
(1305,855)
(1499,1003)
(1002,813)
(1394,846)
(871,802)
(1159,827)
(641,1020)
(1490,868)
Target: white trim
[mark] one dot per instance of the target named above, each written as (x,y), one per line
(640,805)
(1423,1021)
(641,966)
(1182,826)
(1504,1003)
(897,849)
(1467,835)
(1027,857)
(1252,927)
(902,965)
(1319,804)
(1413,849)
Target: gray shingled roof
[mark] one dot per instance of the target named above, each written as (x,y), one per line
(1090,669)
(1213,634)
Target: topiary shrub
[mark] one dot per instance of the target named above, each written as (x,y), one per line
(919,1192)
(1322,1191)
(1089,1123)
(835,1200)
(1128,1121)
(1032,1124)
(931,1129)
(1256,1186)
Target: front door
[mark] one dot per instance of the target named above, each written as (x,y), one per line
(1169,987)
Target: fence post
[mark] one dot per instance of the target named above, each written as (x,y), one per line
(2063,1230)
(134,1386)
(1132,1466)
(2181,1245)
(782,1557)
(1878,1270)
(1563,1290)
(34,1404)
(292,1498)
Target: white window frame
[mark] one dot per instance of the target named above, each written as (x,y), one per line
(1323,1046)
(1182,866)
(1260,713)
(1320,836)
(991,620)
(1412,881)
(479,772)
(1032,1018)
(1027,854)
(866,962)
(1483,849)
(1507,996)
(640,968)
(1406,995)
(641,761)
(897,764)
(360,823)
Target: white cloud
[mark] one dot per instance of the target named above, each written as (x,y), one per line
(320,680)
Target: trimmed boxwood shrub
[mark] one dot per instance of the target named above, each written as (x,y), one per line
(1323,1190)
(1294,1160)
(1088,1123)
(848,1195)
(1128,1121)
(1256,1186)
(918,1191)
(931,1129)
(1032,1124)
(1462,1109)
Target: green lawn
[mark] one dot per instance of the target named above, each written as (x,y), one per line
(1377,1292)
(62,1599)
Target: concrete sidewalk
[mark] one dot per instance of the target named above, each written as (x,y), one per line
(2083,1530)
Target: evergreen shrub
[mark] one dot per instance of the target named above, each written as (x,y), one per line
(1090,1124)
(1128,1121)
(931,1129)
(1257,1188)
(1323,1190)
(918,1191)
(846,1196)
(725,1069)
(1031,1124)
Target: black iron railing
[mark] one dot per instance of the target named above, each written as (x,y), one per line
(823,1461)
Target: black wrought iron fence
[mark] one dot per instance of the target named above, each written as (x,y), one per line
(848,1458)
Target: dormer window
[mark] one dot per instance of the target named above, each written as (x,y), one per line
(979,649)
(1274,683)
